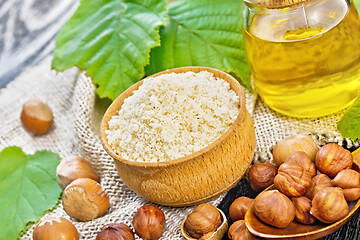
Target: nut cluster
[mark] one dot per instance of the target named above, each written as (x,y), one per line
(301,194)
(84,199)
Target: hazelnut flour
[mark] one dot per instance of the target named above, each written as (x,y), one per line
(173,115)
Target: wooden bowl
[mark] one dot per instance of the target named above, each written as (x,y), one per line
(197,177)
(295,230)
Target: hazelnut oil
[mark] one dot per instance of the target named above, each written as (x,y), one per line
(305,60)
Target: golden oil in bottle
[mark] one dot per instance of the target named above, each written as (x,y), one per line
(305,61)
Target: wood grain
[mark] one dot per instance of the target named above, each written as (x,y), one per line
(27,32)
(195,178)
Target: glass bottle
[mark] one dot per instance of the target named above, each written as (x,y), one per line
(304,54)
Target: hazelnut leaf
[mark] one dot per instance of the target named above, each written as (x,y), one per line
(28,188)
(203,33)
(349,125)
(111,41)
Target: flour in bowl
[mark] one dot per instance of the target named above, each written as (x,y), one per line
(173,115)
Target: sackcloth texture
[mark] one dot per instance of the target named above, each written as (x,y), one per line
(77,115)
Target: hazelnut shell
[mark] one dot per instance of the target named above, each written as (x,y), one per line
(115,231)
(54,228)
(84,199)
(36,117)
(149,222)
(72,168)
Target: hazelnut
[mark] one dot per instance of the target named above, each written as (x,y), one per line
(54,228)
(318,182)
(292,180)
(274,208)
(115,231)
(239,207)
(297,142)
(84,199)
(261,176)
(329,205)
(349,181)
(239,231)
(149,222)
(332,158)
(303,160)
(302,210)
(72,168)
(36,116)
(351,194)
(203,220)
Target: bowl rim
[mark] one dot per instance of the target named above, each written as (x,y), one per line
(234,85)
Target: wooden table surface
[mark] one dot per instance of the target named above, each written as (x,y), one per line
(27,32)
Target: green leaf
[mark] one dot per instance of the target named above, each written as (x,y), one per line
(349,125)
(203,33)
(28,188)
(111,40)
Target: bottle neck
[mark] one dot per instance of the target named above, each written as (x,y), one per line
(306,20)
(274,4)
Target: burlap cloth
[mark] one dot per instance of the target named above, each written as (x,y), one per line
(78,112)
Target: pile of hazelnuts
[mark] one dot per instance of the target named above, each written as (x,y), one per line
(83,197)
(311,184)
